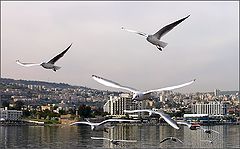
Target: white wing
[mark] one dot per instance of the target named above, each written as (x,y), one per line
(143,110)
(98,138)
(27,64)
(137,32)
(210,130)
(126,140)
(134,111)
(112,84)
(215,131)
(166,117)
(170,88)
(185,123)
(117,120)
(86,123)
(206,141)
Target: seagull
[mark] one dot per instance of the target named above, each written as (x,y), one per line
(155,38)
(115,142)
(209,131)
(195,127)
(95,125)
(171,138)
(137,95)
(48,65)
(165,116)
(209,141)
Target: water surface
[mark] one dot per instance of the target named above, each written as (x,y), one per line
(146,136)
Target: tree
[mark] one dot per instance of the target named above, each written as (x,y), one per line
(85,111)
(18,105)
(26,113)
(5,103)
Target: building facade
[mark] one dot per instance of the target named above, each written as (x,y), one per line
(211,108)
(116,105)
(12,115)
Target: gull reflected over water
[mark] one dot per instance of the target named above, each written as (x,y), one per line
(94,126)
(174,139)
(196,127)
(165,116)
(115,142)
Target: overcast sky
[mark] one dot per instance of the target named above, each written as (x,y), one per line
(205,46)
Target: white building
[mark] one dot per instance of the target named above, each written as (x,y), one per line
(211,108)
(116,105)
(10,114)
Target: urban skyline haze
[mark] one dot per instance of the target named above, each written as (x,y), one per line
(204,47)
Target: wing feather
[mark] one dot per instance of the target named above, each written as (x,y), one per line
(112,84)
(168,28)
(137,32)
(165,139)
(126,140)
(27,64)
(76,123)
(99,138)
(165,116)
(53,60)
(170,88)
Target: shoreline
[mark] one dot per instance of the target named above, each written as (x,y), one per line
(24,123)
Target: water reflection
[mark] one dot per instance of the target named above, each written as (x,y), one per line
(146,136)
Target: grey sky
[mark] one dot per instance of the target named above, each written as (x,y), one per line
(205,46)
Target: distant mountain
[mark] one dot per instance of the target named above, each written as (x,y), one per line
(30,82)
(48,84)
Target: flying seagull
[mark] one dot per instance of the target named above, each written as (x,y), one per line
(94,126)
(172,139)
(196,127)
(137,95)
(48,65)
(165,116)
(189,125)
(209,141)
(155,38)
(209,131)
(115,142)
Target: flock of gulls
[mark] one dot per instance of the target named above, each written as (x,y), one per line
(137,95)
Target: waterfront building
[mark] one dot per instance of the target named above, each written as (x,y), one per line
(212,108)
(201,118)
(116,105)
(10,114)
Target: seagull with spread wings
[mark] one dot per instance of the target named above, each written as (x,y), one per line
(172,139)
(47,65)
(115,142)
(197,127)
(137,95)
(165,116)
(96,125)
(155,38)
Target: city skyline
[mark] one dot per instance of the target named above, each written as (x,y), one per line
(203,47)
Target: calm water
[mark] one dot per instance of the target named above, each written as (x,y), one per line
(146,136)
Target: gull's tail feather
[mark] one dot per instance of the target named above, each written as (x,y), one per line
(56,68)
(163,44)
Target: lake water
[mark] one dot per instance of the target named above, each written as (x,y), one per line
(146,136)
